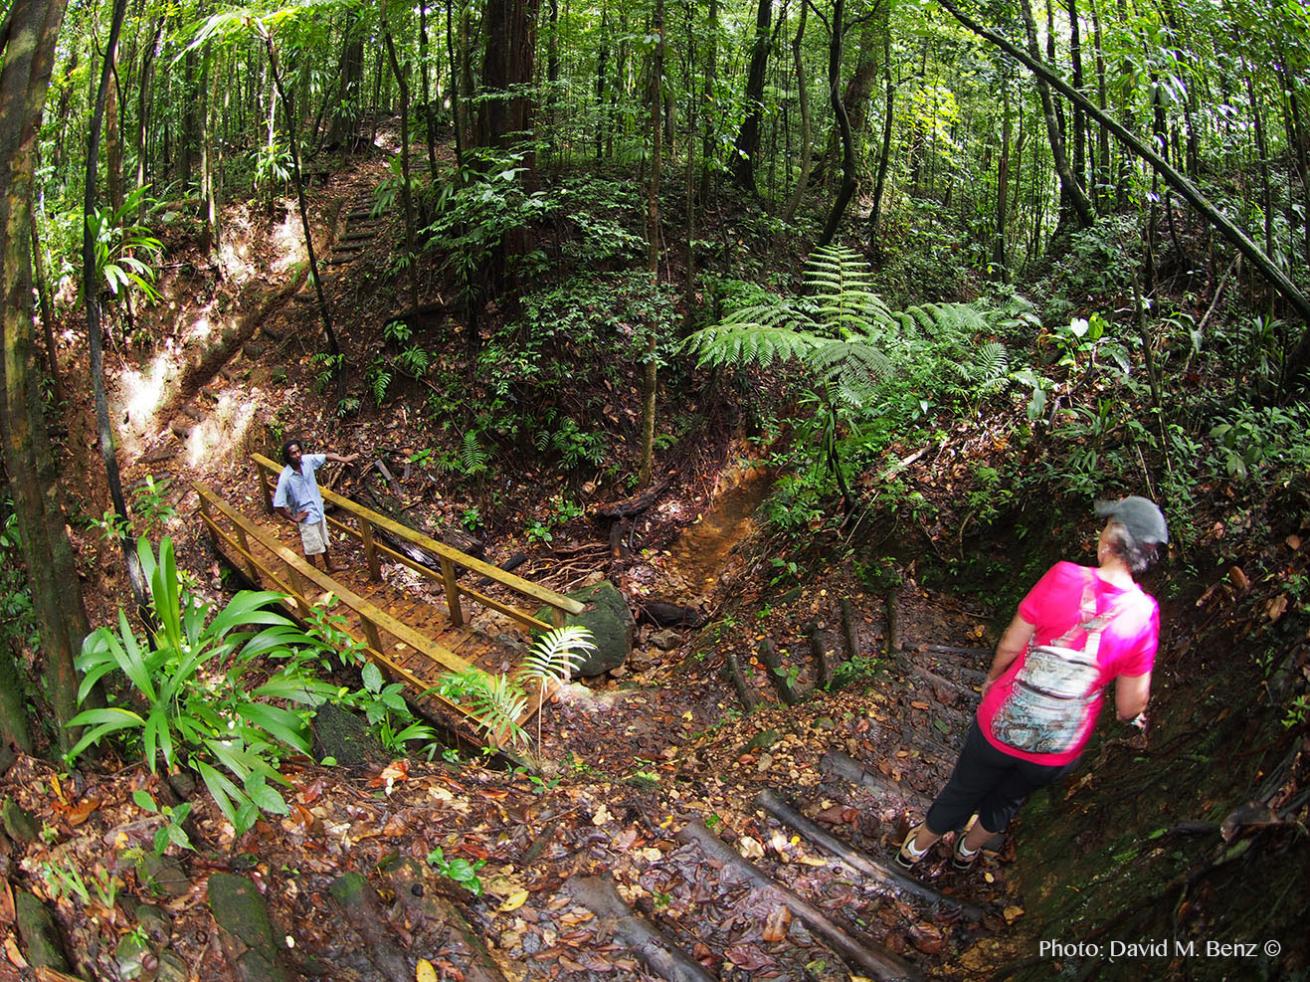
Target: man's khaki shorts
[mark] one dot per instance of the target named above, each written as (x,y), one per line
(314,537)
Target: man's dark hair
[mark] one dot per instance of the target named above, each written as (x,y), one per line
(286,450)
(1138,555)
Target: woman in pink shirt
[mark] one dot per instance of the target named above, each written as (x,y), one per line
(1077,630)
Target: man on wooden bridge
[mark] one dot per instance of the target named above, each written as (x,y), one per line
(298,499)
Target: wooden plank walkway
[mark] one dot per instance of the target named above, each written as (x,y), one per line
(415,637)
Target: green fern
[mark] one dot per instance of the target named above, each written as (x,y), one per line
(554,658)
(472,457)
(378,377)
(497,703)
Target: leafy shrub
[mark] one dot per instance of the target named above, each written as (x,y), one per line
(190,686)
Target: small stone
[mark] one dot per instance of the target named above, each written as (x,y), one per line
(155,922)
(825,723)
(171,968)
(666,640)
(128,956)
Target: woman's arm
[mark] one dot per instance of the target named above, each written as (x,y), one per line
(1011,645)
(1131,694)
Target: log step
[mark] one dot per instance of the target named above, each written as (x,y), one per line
(845,766)
(876,869)
(660,956)
(869,959)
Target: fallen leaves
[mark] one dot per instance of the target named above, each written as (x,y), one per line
(424,971)
(1012,914)
(515,900)
(775,927)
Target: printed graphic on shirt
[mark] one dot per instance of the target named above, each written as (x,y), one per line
(1054,692)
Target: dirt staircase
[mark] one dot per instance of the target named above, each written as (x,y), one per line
(804,886)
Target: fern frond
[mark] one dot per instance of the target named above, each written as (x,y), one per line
(496,702)
(557,655)
(472,456)
(742,344)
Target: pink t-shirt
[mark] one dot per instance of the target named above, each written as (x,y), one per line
(1055,605)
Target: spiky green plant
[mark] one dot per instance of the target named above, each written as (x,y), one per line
(838,333)
(554,657)
(499,701)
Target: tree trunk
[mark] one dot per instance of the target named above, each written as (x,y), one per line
(338,368)
(847,189)
(27,45)
(456,105)
(403,84)
(884,158)
(429,124)
(510,28)
(1002,180)
(1185,188)
(708,127)
(650,373)
(748,137)
(91,296)
(602,57)
(143,105)
(1069,187)
(344,124)
(807,138)
(47,313)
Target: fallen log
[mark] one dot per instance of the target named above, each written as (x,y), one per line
(745,694)
(663,614)
(846,766)
(822,664)
(781,680)
(876,869)
(878,962)
(245,931)
(950,649)
(635,504)
(422,901)
(661,958)
(363,911)
(932,678)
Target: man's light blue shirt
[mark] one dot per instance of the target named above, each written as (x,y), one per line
(298,491)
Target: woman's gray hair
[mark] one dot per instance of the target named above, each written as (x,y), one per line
(1138,555)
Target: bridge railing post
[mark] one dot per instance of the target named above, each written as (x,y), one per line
(452,591)
(265,489)
(370,549)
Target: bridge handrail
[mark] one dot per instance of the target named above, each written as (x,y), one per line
(373,619)
(449,557)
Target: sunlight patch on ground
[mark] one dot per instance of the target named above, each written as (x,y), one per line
(142,392)
(288,242)
(223,431)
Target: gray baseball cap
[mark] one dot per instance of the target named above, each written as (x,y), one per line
(1140,516)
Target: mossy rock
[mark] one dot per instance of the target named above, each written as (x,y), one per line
(610,622)
(346,737)
(249,939)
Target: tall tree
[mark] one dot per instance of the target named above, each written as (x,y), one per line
(654,245)
(837,33)
(1070,190)
(747,146)
(505,112)
(27,46)
(91,297)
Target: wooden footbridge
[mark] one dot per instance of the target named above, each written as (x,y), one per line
(413,637)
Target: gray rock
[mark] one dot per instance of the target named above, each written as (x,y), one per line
(171,968)
(666,640)
(610,622)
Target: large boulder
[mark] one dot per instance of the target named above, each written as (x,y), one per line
(610,622)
